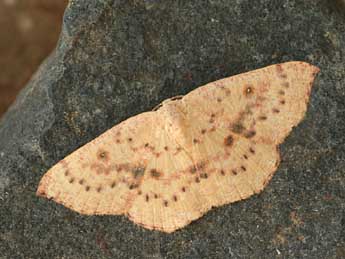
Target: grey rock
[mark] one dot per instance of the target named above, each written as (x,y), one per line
(119,58)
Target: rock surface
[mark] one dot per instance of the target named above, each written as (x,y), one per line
(118,58)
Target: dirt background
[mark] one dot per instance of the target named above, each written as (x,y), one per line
(29,31)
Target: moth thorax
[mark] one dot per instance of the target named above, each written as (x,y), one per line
(176,123)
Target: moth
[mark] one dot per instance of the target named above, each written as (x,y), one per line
(216,145)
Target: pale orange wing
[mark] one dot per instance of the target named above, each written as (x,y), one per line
(103,176)
(238,123)
(215,146)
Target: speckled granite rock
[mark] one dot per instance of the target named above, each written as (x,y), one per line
(118,58)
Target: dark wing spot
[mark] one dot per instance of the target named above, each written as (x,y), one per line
(166,203)
(166,148)
(281,92)
(198,166)
(282,101)
(133,186)
(183,189)
(175,198)
(262,118)
(250,134)
(252,150)
(147,198)
(113,184)
(66,173)
(81,181)
(140,192)
(286,84)
(138,171)
(237,128)
(222,172)
(103,155)
(204,175)
(248,91)
(146,144)
(228,141)
(155,174)
(234,172)
(130,139)
(71,180)
(243,168)
(197,180)
(155,196)
(99,189)
(203,131)
(219,100)
(195,141)
(193,169)
(275,110)
(87,188)
(245,156)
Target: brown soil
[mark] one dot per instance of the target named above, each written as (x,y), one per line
(29,31)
